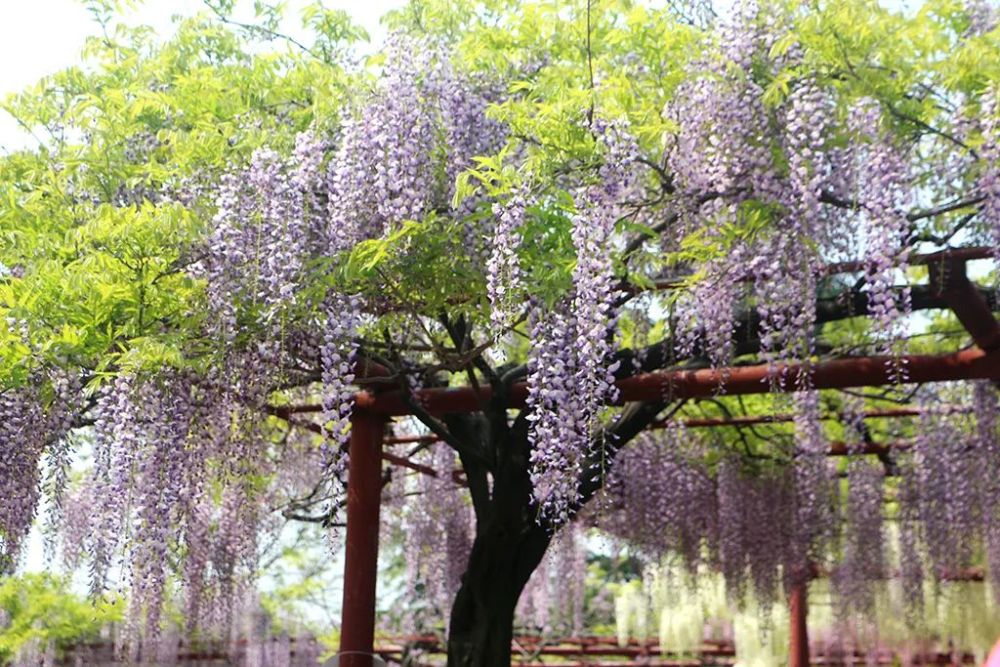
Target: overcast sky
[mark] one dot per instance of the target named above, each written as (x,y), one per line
(39,37)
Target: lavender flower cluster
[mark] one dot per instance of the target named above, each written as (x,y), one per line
(337,359)
(395,158)
(30,429)
(503,269)
(722,160)
(161,446)
(863,563)
(722,157)
(570,375)
(559,435)
(813,484)
(739,523)
(554,601)
(438,525)
(989,179)
(660,498)
(882,189)
(705,315)
(949,495)
(265,229)
(598,209)
(400,154)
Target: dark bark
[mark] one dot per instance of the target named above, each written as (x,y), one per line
(509,545)
(506,551)
(510,542)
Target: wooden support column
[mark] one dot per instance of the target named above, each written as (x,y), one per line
(364,491)
(798,637)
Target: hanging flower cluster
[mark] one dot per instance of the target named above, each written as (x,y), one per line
(160,446)
(383,172)
(863,565)
(337,358)
(437,523)
(423,119)
(265,228)
(883,192)
(28,429)
(949,490)
(503,270)
(553,601)
(704,316)
(116,431)
(786,306)
(814,507)
(386,169)
(162,468)
(661,501)
(558,433)
(723,161)
(785,267)
(718,159)
(719,146)
(59,421)
(598,209)
(989,179)
(772,526)
(983,16)
(571,376)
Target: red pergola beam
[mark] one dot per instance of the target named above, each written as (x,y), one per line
(967,364)
(696,422)
(836,449)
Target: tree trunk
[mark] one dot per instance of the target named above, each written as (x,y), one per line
(510,543)
(508,547)
(482,618)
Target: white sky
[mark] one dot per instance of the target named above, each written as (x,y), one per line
(40,37)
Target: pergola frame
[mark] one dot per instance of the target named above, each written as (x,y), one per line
(373,410)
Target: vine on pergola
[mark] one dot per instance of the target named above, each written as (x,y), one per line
(500,184)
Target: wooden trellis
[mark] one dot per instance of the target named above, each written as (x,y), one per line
(373,409)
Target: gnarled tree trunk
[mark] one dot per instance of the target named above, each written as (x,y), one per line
(482,617)
(510,542)
(508,547)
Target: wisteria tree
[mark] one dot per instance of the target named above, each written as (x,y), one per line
(219,239)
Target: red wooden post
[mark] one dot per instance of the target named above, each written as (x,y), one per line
(364,491)
(798,608)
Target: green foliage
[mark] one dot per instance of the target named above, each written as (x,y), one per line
(101,283)
(39,609)
(96,282)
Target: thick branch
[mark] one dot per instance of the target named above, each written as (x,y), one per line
(466,450)
(851,303)
(469,429)
(634,419)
